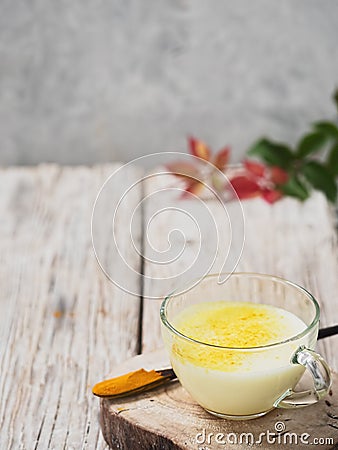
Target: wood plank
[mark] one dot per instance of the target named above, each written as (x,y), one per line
(291,239)
(167,418)
(63,324)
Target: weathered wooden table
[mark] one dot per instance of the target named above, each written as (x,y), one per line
(64,326)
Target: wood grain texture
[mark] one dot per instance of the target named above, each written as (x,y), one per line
(167,418)
(290,239)
(63,325)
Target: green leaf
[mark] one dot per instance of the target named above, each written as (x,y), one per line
(274,154)
(311,143)
(328,128)
(320,178)
(332,162)
(295,188)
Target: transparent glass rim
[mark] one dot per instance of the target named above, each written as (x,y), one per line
(280,280)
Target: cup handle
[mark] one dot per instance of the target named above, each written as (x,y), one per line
(322,380)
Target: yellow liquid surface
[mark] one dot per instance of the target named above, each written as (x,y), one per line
(231,324)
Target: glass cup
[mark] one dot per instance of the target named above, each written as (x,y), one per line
(270,373)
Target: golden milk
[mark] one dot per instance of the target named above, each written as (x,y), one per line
(240,372)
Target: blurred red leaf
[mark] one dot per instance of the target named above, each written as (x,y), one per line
(245,187)
(271,196)
(255,168)
(199,149)
(183,169)
(193,187)
(278,175)
(254,179)
(222,158)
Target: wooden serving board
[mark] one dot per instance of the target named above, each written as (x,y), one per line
(167,418)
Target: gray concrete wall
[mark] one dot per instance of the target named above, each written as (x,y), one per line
(87,81)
